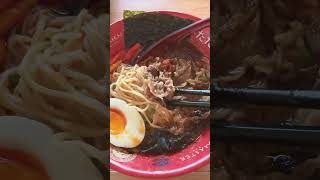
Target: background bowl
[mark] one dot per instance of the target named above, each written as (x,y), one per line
(194,156)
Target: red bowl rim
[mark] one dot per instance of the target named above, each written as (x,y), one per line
(160,174)
(170,173)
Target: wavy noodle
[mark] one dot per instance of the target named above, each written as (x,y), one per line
(62,64)
(131,85)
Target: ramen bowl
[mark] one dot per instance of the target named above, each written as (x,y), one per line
(189,159)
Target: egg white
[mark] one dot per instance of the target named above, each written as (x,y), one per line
(133,127)
(61,161)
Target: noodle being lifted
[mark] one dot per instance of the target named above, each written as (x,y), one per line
(59,75)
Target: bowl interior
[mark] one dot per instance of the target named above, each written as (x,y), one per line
(194,156)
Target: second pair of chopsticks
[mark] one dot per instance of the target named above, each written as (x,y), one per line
(285,134)
(288,98)
(200,104)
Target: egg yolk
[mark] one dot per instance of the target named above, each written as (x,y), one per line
(18,165)
(117,121)
(135,141)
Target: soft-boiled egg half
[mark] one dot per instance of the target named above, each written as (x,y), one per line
(30,151)
(127,128)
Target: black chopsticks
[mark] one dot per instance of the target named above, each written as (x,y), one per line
(289,98)
(199,104)
(283,134)
(201,92)
(292,134)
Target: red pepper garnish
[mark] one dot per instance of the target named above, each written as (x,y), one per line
(118,57)
(132,53)
(114,66)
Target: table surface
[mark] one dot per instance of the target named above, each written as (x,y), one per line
(199,8)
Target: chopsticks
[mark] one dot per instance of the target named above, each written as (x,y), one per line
(292,134)
(291,98)
(284,134)
(201,92)
(199,104)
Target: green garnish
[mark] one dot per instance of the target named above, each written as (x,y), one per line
(305,55)
(128,13)
(114,86)
(151,111)
(13,80)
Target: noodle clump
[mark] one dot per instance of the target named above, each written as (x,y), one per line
(59,72)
